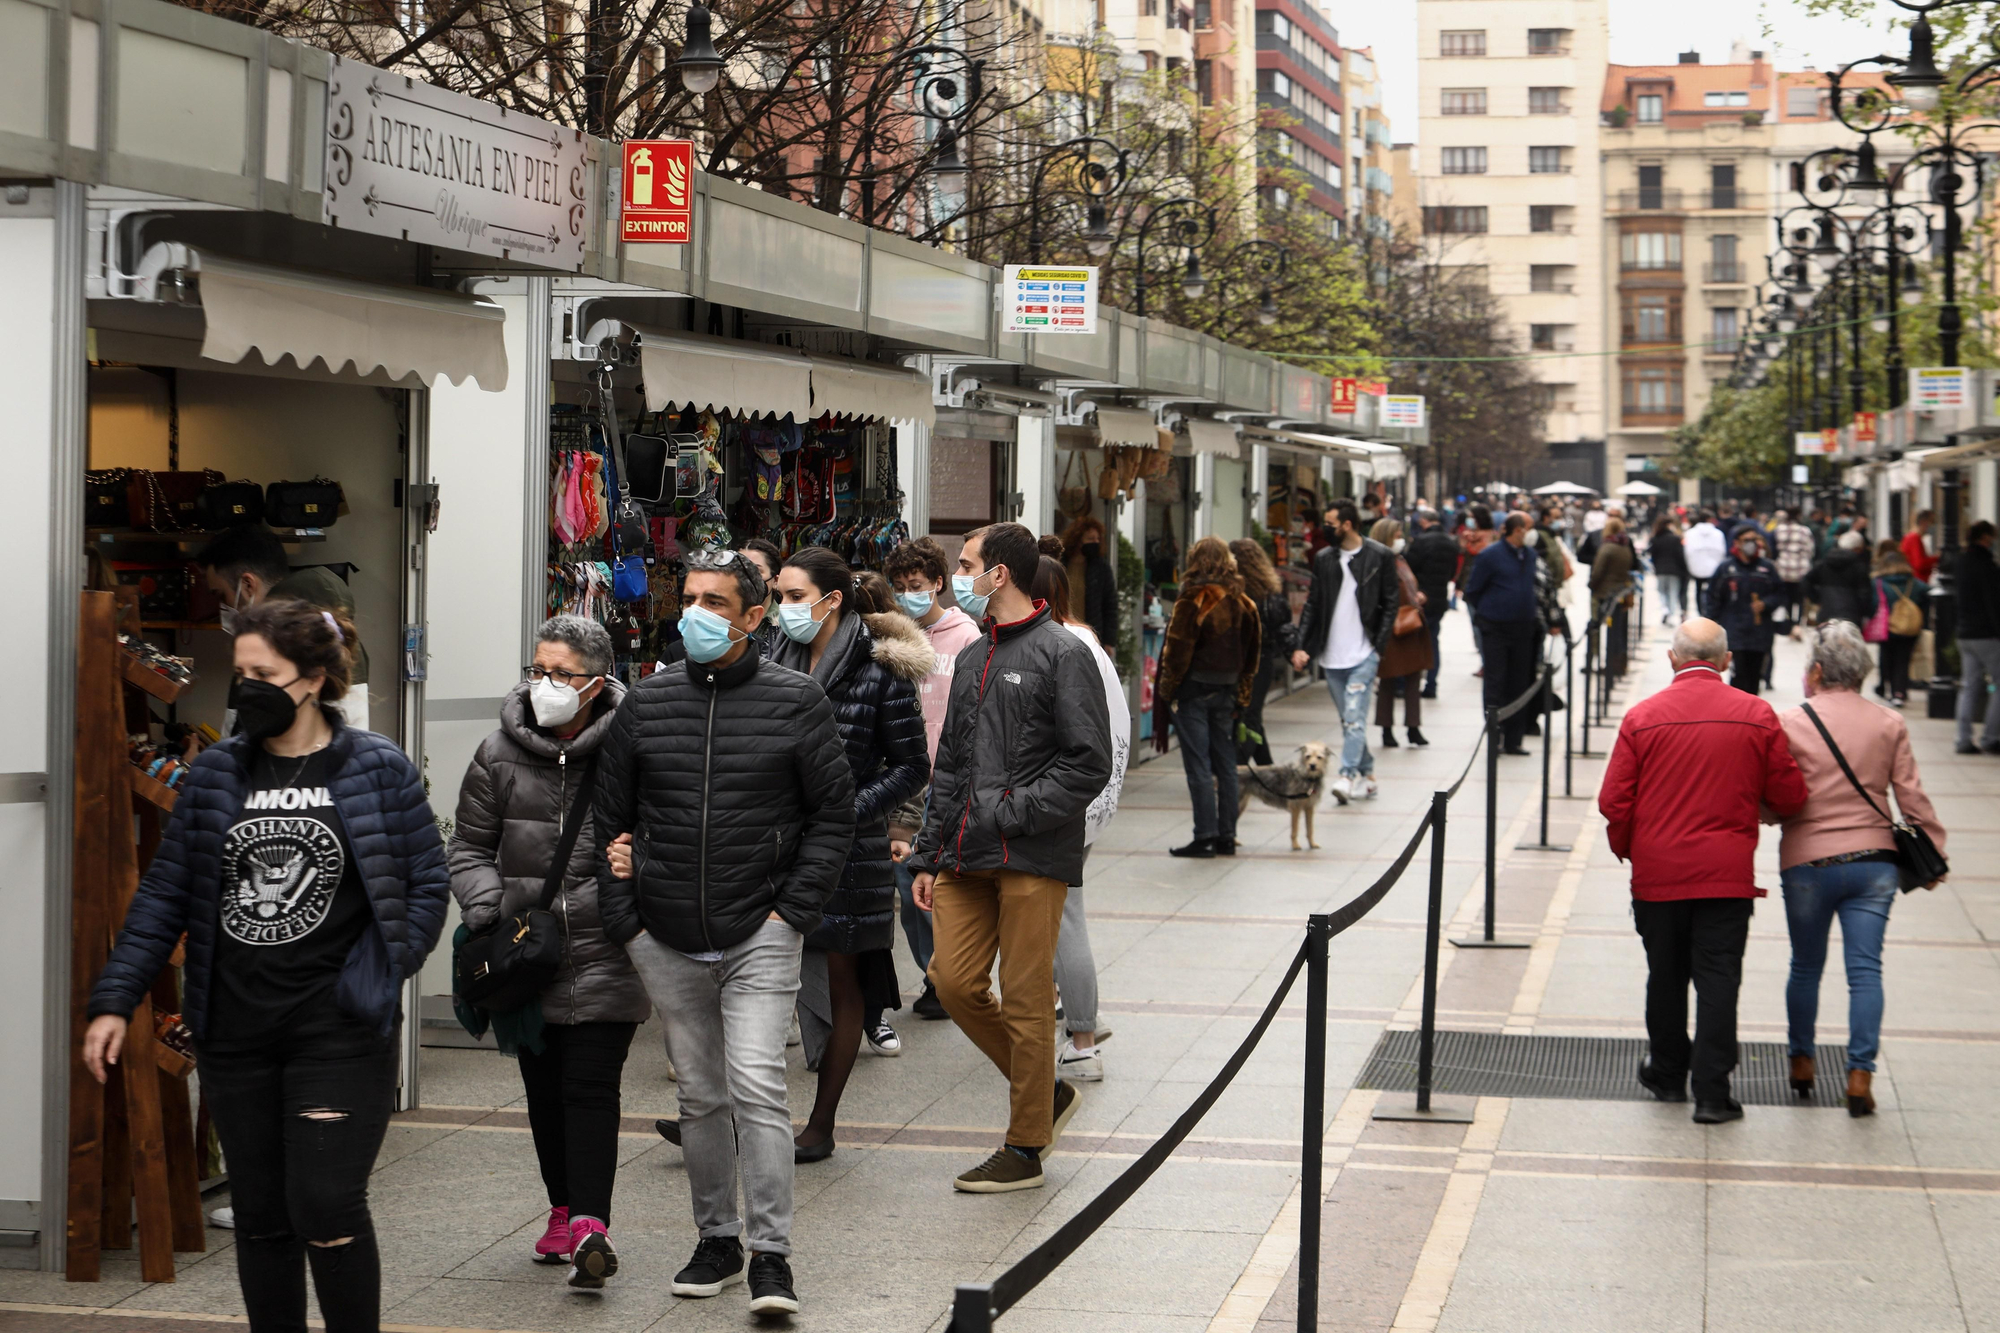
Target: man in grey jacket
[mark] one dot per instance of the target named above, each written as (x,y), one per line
(1026,748)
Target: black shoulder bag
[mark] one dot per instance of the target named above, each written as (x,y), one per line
(1918,861)
(506,965)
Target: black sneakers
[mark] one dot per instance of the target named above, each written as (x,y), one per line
(1718,1113)
(1200,847)
(771,1285)
(717,1263)
(928,1006)
(1662,1087)
(1007,1170)
(670,1130)
(1065,1111)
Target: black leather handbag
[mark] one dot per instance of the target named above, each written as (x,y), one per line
(507,964)
(229,505)
(1918,861)
(107,501)
(302,504)
(649,468)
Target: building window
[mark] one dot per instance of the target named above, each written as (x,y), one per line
(1465,101)
(1722,331)
(1551,278)
(1650,249)
(1652,108)
(1542,217)
(1650,193)
(1542,337)
(1276,24)
(1463,43)
(1204,18)
(1464,162)
(1204,81)
(1548,41)
(1722,185)
(1545,161)
(1805,102)
(1547,102)
(1455,220)
(1652,391)
(1274,81)
(1725,99)
(1652,319)
(1722,262)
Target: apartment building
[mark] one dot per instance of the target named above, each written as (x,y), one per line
(1699,166)
(1508,182)
(1370,147)
(1300,95)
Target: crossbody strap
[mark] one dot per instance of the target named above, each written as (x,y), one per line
(579,809)
(1841,759)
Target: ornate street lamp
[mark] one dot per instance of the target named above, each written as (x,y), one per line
(1188,223)
(1094,180)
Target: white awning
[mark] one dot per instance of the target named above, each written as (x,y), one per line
(722,376)
(1959,455)
(855,389)
(1212,437)
(1130,426)
(310,316)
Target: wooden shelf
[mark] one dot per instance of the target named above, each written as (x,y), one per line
(152,682)
(152,789)
(181,626)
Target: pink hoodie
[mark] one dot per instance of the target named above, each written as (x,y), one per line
(949,635)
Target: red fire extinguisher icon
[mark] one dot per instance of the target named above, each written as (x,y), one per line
(642,177)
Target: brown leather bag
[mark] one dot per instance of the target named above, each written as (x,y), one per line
(1409,620)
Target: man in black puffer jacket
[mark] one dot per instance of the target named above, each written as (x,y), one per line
(1026,748)
(1434,557)
(725,777)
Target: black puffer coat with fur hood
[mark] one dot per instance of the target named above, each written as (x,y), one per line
(870,674)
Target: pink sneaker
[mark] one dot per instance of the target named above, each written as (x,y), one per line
(595,1259)
(553,1247)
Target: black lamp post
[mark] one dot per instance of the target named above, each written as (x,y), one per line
(1270,260)
(1094,180)
(1189,223)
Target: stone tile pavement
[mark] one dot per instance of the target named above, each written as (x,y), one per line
(1541,1214)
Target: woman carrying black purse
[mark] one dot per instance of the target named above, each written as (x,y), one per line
(519,795)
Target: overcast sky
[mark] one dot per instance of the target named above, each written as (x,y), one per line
(1643,32)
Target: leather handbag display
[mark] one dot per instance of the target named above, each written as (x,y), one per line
(168,501)
(302,504)
(649,468)
(507,964)
(1918,861)
(107,502)
(230,504)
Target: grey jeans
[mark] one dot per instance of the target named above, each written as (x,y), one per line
(1076,966)
(726,1029)
(1978,664)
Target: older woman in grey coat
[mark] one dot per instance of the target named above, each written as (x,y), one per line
(522,783)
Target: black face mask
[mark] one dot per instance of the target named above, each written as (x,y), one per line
(1091,550)
(263,710)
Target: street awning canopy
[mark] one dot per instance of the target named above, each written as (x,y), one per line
(1961,455)
(1132,427)
(856,389)
(1564,488)
(1637,488)
(722,376)
(309,316)
(1212,437)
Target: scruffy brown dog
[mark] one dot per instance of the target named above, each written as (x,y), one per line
(1296,787)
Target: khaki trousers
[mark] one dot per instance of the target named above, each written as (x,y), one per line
(975,915)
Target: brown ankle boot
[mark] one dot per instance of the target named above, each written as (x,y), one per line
(1803,1074)
(1860,1100)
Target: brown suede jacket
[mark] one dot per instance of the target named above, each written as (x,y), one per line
(1214,629)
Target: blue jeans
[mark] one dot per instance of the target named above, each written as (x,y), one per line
(1352,689)
(1206,718)
(916,921)
(1671,586)
(1860,893)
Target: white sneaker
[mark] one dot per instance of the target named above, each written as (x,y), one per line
(1342,789)
(224,1218)
(1083,1066)
(792,1037)
(1365,789)
(882,1039)
(673,1074)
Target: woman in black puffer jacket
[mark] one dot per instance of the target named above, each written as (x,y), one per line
(1279,637)
(869,658)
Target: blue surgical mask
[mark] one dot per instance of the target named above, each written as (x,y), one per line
(796,620)
(916,605)
(972,603)
(706,634)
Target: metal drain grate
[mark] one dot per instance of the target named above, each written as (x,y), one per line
(1603,1069)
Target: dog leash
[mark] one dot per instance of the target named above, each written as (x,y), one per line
(1254,772)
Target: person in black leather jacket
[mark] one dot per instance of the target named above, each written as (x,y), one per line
(1026,749)
(725,779)
(1278,639)
(1840,583)
(1434,557)
(1346,641)
(1744,598)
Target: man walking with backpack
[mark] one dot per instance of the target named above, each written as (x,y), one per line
(1026,748)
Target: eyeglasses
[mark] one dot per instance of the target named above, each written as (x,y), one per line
(537,673)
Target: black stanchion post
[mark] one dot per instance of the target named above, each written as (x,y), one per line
(1591,670)
(1318,933)
(1485,940)
(1433,920)
(972,1308)
(1548,758)
(1569,715)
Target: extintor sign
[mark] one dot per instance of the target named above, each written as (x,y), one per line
(658,187)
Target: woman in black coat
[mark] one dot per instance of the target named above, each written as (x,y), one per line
(845,632)
(1279,637)
(1841,583)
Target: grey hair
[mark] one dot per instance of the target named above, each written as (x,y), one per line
(590,640)
(1841,655)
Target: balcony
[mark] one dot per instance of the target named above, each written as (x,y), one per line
(1649,198)
(1550,108)
(1565,287)
(1722,349)
(1732,272)
(1554,229)
(1729,197)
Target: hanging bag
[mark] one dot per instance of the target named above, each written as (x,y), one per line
(1918,861)
(507,964)
(1073,499)
(230,504)
(302,504)
(168,501)
(1877,628)
(1906,618)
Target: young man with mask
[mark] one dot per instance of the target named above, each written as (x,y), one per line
(1349,614)
(1026,748)
(247,565)
(730,801)
(917,570)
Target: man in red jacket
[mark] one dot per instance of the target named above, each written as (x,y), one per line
(1693,767)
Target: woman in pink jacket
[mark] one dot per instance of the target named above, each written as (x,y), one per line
(1838,855)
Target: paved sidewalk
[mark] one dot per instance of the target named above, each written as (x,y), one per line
(1591,1215)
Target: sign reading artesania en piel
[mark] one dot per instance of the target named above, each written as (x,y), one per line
(417,163)
(656,194)
(1938,388)
(1034,299)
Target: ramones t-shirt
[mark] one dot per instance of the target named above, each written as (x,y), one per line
(290,910)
